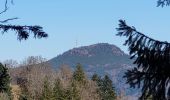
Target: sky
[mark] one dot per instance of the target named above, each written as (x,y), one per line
(85,21)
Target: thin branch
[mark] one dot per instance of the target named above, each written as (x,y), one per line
(124,26)
(6,7)
(9,19)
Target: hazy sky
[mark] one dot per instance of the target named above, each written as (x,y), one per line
(87,21)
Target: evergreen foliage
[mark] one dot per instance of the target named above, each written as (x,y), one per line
(47,90)
(5,81)
(152,58)
(58,91)
(109,90)
(163,3)
(72,92)
(79,74)
(22,31)
(95,77)
(106,89)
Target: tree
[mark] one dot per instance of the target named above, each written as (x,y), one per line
(33,60)
(58,91)
(72,92)
(23,32)
(31,76)
(65,74)
(79,74)
(95,77)
(22,82)
(106,89)
(163,3)
(47,90)
(5,81)
(152,58)
(10,63)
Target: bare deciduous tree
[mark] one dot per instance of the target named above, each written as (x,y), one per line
(32,75)
(10,63)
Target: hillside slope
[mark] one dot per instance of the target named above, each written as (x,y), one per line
(102,58)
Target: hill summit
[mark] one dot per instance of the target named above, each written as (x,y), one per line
(98,55)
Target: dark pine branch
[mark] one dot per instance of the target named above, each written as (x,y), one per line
(23,32)
(163,3)
(152,58)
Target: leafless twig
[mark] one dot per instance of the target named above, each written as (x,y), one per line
(6,7)
(9,19)
(5,10)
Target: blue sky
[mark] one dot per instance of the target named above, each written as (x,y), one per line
(87,21)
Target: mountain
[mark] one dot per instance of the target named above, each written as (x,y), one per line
(101,58)
(98,55)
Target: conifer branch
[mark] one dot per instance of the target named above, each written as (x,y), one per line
(23,31)
(163,3)
(152,58)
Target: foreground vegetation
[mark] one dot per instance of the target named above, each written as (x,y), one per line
(36,80)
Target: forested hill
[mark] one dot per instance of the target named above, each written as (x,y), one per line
(98,55)
(101,58)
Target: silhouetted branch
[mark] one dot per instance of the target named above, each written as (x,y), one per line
(9,19)
(23,31)
(163,3)
(152,58)
(6,8)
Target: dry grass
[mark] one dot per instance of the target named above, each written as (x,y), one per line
(16,92)
(4,96)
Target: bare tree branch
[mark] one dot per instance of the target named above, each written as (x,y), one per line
(6,7)
(9,19)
